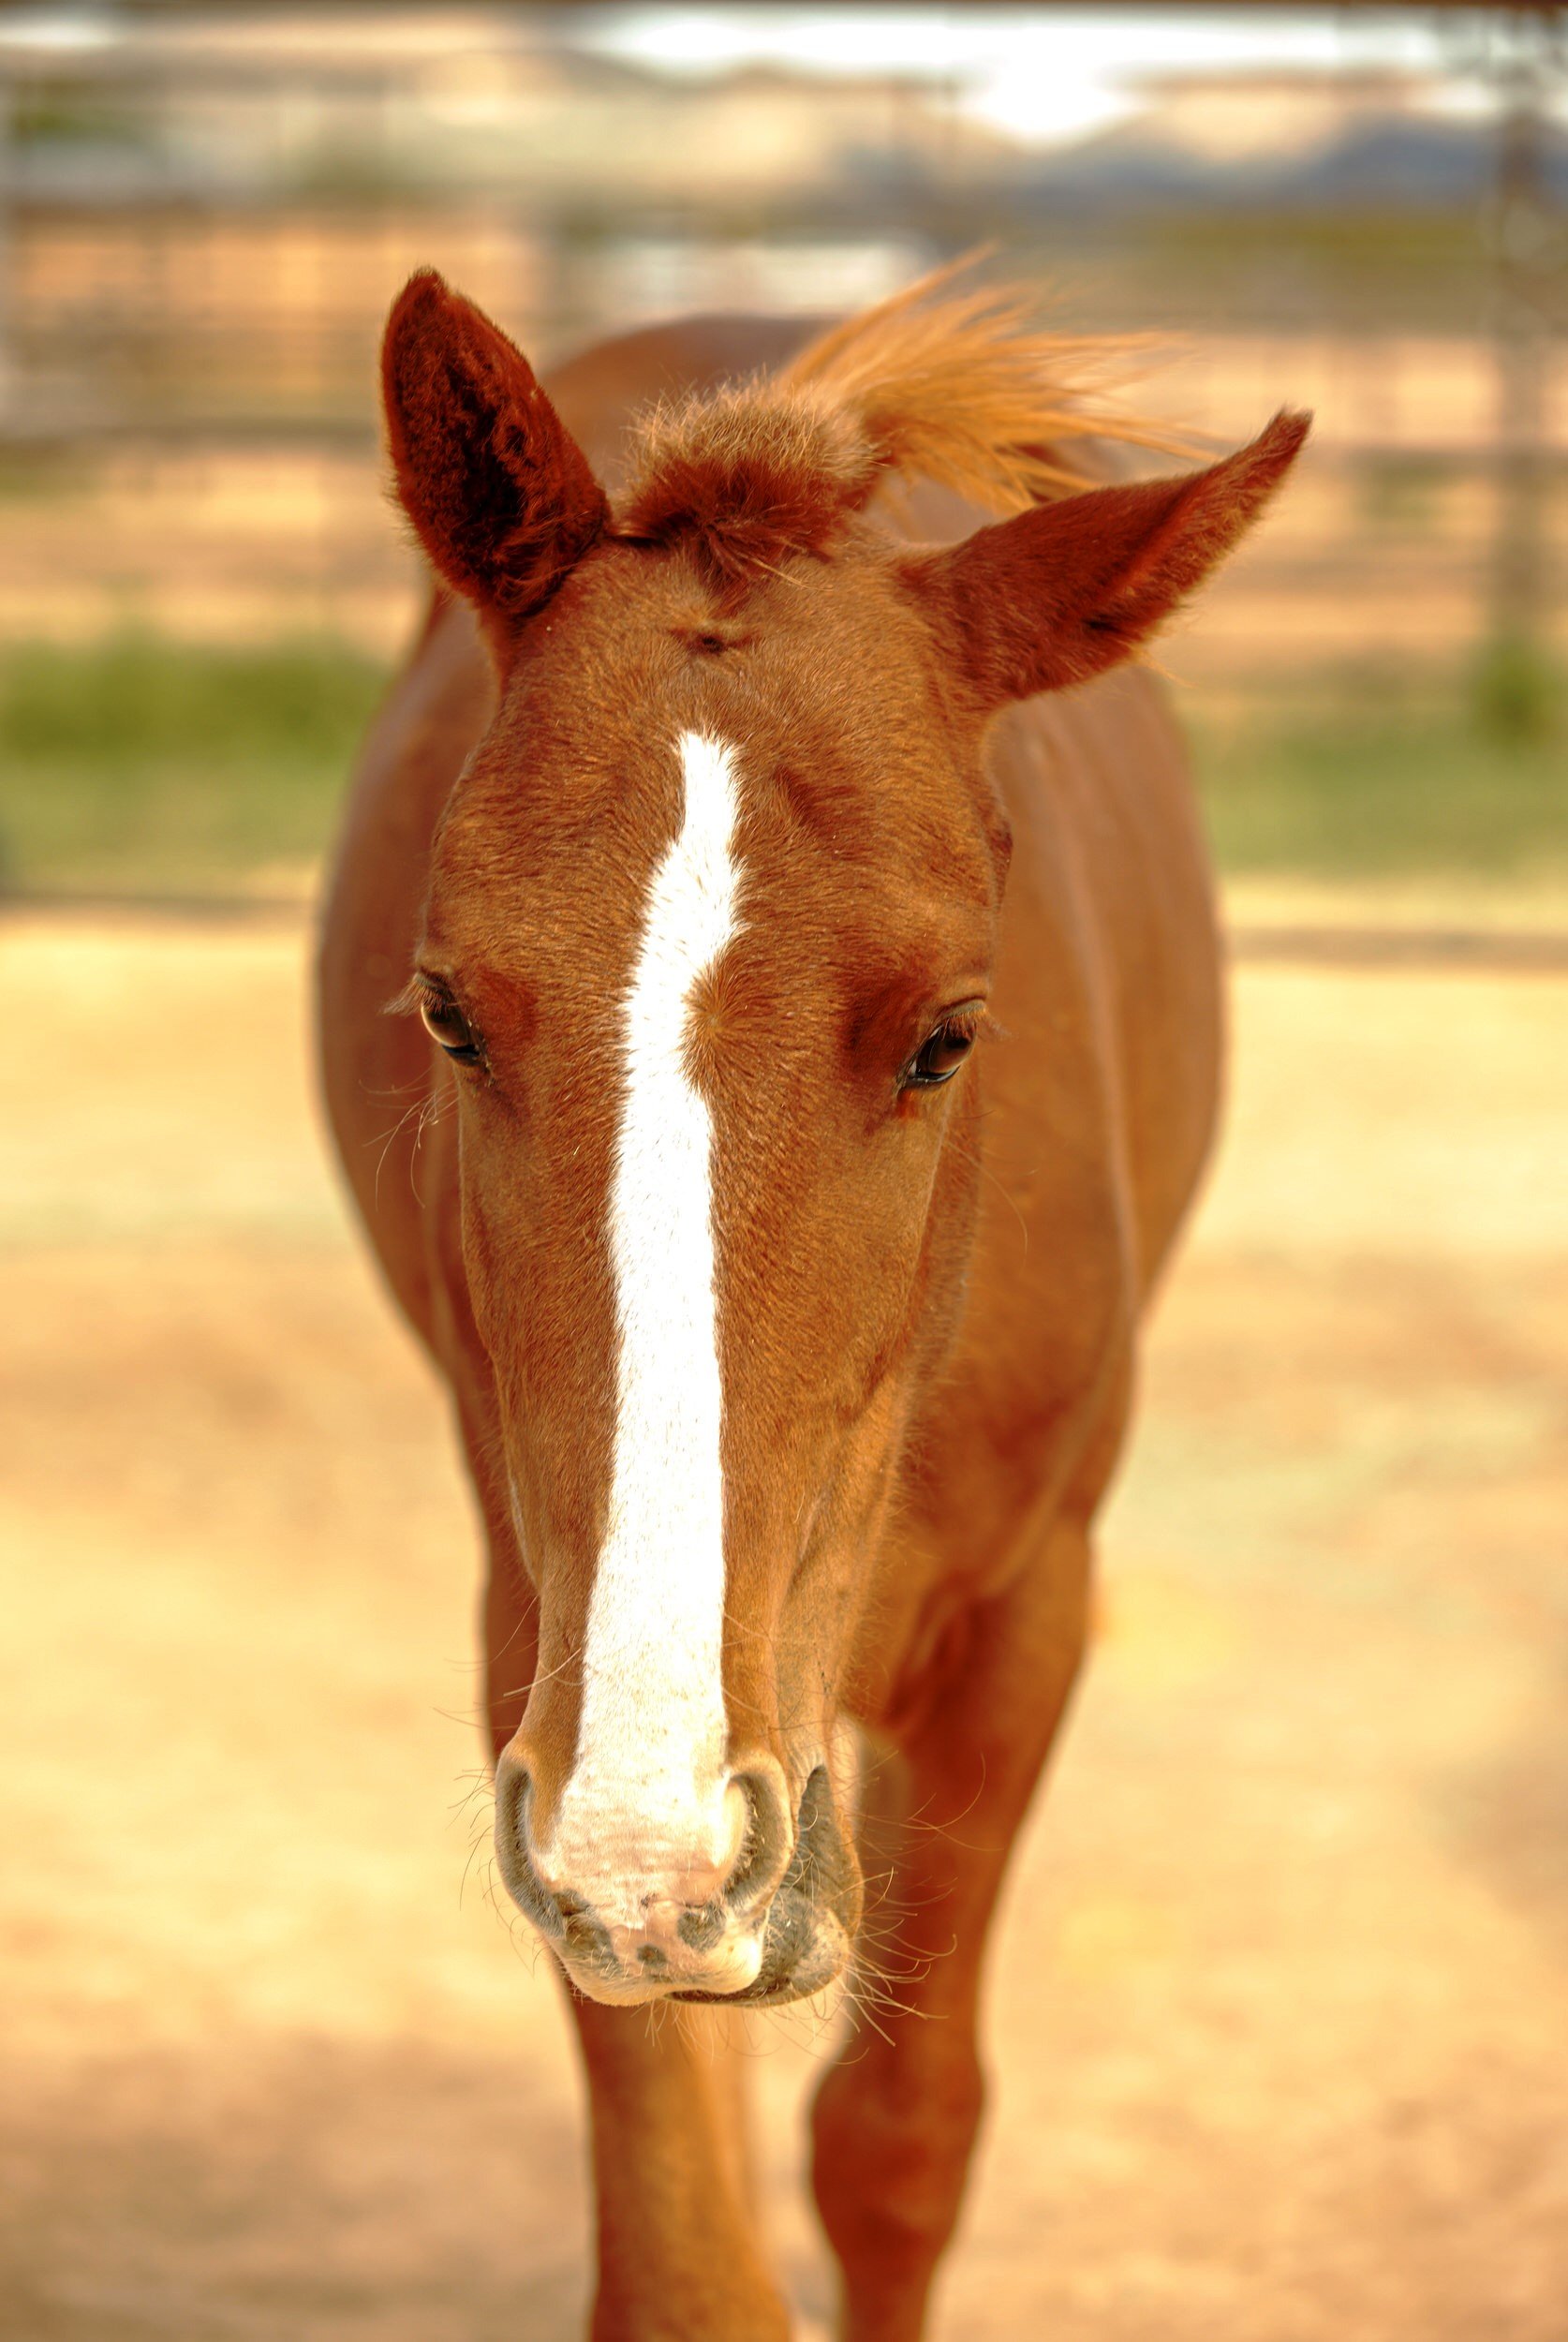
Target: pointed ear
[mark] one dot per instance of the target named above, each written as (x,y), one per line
(496,487)
(1065,590)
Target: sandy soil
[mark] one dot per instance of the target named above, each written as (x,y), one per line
(1278,2012)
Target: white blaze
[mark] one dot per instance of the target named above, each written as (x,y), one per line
(646,1795)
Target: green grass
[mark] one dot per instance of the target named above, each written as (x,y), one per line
(1345,793)
(144,765)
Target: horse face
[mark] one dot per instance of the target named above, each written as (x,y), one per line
(709,938)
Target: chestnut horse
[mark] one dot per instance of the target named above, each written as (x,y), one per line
(812,1016)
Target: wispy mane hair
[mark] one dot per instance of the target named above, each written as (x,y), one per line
(956,384)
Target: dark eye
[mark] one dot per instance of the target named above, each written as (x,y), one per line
(939,1057)
(447,1026)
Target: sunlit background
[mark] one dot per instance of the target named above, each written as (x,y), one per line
(206,212)
(1279,2010)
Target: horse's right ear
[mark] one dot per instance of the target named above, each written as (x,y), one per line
(496,487)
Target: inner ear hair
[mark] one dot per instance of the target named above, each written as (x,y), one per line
(500,495)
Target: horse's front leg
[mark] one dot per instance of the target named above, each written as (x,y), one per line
(896,2120)
(678,2258)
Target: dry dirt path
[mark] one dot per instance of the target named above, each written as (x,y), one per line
(1280,2018)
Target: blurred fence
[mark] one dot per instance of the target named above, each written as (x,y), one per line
(206,213)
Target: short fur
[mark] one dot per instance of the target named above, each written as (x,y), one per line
(927,1300)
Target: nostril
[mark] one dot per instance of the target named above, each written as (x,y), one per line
(821,1855)
(768,1840)
(513,1798)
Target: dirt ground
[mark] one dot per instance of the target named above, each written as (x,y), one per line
(1279,2017)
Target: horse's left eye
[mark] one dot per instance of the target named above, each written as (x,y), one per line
(939,1057)
(447,1026)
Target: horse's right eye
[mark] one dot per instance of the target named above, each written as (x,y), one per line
(943,1052)
(450,1031)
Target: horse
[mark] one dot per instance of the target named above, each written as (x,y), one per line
(785,883)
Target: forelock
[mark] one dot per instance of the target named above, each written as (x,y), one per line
(752,474)
(954,385)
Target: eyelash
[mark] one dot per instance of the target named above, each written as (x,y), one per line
(957,1033)
(433,1006)
(941,1056)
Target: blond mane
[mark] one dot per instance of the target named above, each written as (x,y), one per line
(954,383)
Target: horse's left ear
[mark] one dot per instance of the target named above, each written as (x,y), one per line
(497,488)
(1061,592)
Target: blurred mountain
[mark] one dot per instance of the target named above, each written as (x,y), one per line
(1281,143)
(292,102)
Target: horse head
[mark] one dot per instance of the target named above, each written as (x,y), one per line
(712,919)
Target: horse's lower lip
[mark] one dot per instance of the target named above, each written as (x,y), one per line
(777,1995)
(772,1998)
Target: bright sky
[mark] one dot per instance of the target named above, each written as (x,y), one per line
(1041,75)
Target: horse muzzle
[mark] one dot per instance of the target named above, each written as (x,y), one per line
(775,1925)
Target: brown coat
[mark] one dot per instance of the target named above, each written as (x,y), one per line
(976,1426)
